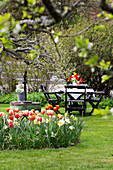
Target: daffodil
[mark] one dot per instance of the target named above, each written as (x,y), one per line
(35,121)
(72,116)
(38,123)
(66,115)
(75,118)
(61,122)
(47,120)
(71,127)
(67,120)
(15,123)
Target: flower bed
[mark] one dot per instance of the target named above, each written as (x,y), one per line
(31,129)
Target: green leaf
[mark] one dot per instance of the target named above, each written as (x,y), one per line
(99,15)
(96,111)
(24,14)
(41,10)
(105,78)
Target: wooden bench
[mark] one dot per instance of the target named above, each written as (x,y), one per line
(94,98)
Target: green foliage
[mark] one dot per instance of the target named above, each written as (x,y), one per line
(33,96)
(7,98)
(35,133)
(37,97)
(106,102)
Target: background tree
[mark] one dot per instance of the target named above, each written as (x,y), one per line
(24,23)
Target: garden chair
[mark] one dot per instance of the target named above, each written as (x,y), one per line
(75,98)
(94,98)
(53,98)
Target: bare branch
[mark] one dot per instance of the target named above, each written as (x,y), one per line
(1,48)
(44,21)
(87,28)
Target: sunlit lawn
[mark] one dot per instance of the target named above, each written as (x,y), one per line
(95,151)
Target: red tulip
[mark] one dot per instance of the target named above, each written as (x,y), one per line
(49,112)
(36,112)
(42,111)
(11,117)
(10,125)
(79,83)
(16,110)
(81,80)
(39,115)
(11,112)
(39,119)
(52,113)
(17,116)
(9,122)
(0,114)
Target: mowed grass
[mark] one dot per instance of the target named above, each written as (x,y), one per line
(95,151)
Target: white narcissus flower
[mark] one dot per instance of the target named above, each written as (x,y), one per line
(5,126)
(67,120)
(61,122)
(72,116)
(15,123)
(47,120)
(71,127)
(35,121)
(66,114)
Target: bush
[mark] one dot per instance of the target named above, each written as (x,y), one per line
(106,102)
(33,96)
(24,130)
(7,98)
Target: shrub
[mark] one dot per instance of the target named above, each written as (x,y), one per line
(33,96)
(24,130)
(106,102)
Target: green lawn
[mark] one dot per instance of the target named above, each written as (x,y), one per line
(95,151)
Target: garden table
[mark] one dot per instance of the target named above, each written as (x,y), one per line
(76,97)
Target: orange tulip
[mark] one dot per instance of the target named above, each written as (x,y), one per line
(55,108)
(50,106)
(32,117)
(47,108)
(58,107)
(7,109)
